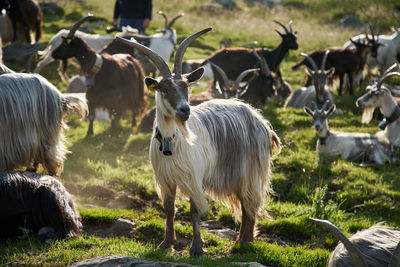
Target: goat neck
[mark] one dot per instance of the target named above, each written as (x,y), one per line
(86,57)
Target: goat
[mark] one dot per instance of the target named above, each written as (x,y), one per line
(362,148)
(115,82)
(25,14)
(387,46)
(220,146)
(95,41)
(39,203)
(345,61)
(376,246)
(32,122)
(317,92)
(235,60)
(380,97)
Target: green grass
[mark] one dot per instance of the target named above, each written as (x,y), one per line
(111,175)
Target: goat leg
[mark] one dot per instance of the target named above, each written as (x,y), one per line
(350,83)
(246,232)
(340,84)
(33,167)
(91,119)
(169,207)
(197,243)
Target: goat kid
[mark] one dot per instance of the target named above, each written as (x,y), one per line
(378,96)
(376,246)
(361,148)
(223,147)
(317,92)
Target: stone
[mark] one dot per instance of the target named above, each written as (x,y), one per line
(211,224)
(351,21)
(225,233)
(247,264)
(269,3)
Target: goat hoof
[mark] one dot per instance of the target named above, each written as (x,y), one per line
(166,244)
(196,251)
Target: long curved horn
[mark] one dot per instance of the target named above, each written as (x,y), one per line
(290,26)
(283,26)
(390,69)
(165,17)
(181,51)
(174,19)
(240,78)
(222,73)
(390,74)
(264,65)
(355,254)
(324,59)
(157,60)
(312,62)
(315,105)
(77,24)
(325,104)
(395,259)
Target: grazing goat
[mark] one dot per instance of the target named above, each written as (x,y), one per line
(114,82)
(376,246)
(317,92)
(24,14)
(345,61)
(38,203)
(95,41)
(32,122)
(235,60)
(221,146)
(380,97)
(361,148)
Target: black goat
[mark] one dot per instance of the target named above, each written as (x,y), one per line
(115,82)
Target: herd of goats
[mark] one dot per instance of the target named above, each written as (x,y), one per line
(215,142)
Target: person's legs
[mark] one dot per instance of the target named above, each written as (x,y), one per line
(134,23)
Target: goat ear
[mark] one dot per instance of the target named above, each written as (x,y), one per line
(331,109)
(280,34)
(330,71)
(308,111)
(152,84)
(195,75)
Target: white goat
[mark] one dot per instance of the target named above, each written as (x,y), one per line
(380,97)
(95,41)
(223,147)
(386,53)
(362,148)
(376,246)
(318,92)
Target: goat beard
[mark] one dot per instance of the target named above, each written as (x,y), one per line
(186,132)
(367,114)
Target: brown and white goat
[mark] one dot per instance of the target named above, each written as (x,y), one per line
(115,81)
(378,96)
(318,92)
(223,147)
(376,246)
(362,148)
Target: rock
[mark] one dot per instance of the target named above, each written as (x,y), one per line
(211,224)
(226,3)
(351,21)
(269,3)
(248,264)
(225,233)
(122,226)
(117,261)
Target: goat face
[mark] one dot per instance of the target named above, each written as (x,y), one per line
(290,41)
(67,49)
(173,95)
(373,98)
(320,117)
(319,79)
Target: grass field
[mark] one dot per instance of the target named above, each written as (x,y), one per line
(111,176)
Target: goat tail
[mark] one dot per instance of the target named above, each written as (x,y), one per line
(297,65)
(75,102)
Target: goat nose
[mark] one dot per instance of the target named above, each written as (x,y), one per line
(184,110)
(317,127)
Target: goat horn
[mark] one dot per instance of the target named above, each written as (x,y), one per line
(240,78)
(315,106)
(174,19)
(264,65)
(324,59)
(181,51)
(225,80)
(395,259)
(283,26)
(165,17)
(390,74)
(157,60)
(390,69)
(372,32)
(290,26)
(355,254)
(77,24)
(325,105)
(312,62)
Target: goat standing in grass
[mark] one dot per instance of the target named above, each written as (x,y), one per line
(378,96)
(317,92)
(361,148)
(377,246)
(116,82)
(223,147)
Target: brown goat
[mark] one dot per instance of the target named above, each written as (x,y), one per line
(115,82)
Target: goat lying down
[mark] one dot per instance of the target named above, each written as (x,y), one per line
(376,246)
(31,119)
(223,147)
(361,148)
(38,203)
